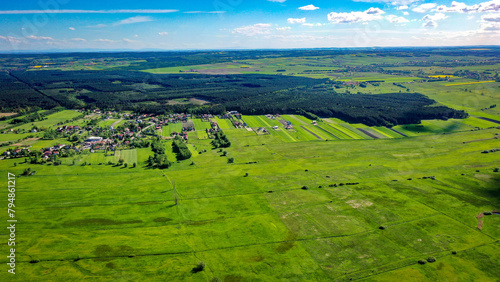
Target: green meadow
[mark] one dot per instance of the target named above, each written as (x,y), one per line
(281,211)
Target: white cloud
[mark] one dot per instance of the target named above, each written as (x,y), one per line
(396,19)
(309,8)
(136,36)
(435,17)
(489,27)
(79,40)
(10,39)
(205,12)
(32,37)
(163,33)
(279,1)
(404,7)
(252,30)
(392,2)
(311,24)
(132,20)
(72,28)
(406,13)
(144,11)
(104,40)
(285,28)
(459,7)
(126,40)
(430,24)
(294,21)
(491,18)
(354,17)
(424,8)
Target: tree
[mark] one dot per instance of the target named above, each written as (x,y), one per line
(230,160)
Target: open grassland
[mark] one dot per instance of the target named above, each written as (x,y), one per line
(112,222)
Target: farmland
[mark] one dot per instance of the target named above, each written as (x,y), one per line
(313,193)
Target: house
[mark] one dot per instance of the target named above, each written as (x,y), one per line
(94,139)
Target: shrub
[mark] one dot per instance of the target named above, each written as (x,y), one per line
(496,169)
(121,161)
(381,227)
(199,267)
(431,259)
(125,165)
(454,252)
(487,213)
(246,174)
(422,261)
(230,160)
(134,165)
(304,188)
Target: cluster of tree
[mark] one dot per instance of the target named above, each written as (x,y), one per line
(221,140)
(180,148)
(16,95)
(101,90)
(160,159)
(372,110)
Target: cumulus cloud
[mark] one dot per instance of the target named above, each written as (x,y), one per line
(424,8)
(430,24)
(435,17)
(295,21)
(104,40)
(309,8)
(459,7)
(311,24)
(490,27)
(491,18)
(32,37)
(406,13)
(404,7)
(10,39)
(285,28)
(252,30)
(392,2)
(354,17)
(132,20)
(396,19)
(163,33)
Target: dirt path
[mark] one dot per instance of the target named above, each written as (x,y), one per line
(116,123)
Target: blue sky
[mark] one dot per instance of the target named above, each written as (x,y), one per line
(242,24)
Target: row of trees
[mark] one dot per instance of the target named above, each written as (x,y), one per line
(221,140)
(160,159)
(180,148)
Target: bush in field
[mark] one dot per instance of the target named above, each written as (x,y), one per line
(230,160)
(431,259)
(199,267)
(121,161)
(422,261)
(125,165)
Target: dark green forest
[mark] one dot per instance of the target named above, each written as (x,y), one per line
(249,94)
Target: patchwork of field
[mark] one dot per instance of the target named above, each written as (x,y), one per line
(308,211)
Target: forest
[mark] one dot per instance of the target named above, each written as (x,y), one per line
(248,93)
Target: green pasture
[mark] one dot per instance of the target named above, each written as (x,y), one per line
(111,222)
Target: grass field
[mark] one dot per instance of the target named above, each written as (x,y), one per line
(107,221)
